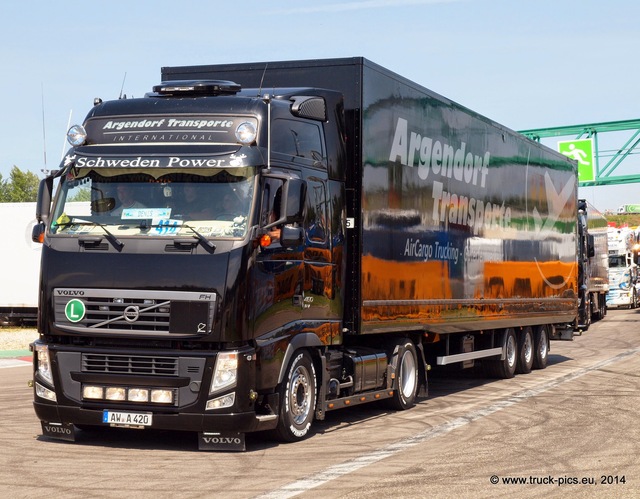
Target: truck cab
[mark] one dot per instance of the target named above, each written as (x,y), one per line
(185,248)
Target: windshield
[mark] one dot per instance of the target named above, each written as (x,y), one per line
(617,261)
(214,202)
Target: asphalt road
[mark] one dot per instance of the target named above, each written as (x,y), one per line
(570,430)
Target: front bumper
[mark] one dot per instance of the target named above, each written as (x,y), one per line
(243,422)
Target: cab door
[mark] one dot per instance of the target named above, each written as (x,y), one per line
(278,276)
(323,242)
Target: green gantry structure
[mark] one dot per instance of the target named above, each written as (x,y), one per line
(606,161)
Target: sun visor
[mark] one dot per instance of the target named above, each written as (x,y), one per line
(159,129)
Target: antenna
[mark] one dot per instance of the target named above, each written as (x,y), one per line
(44,137)
(262,79)
(64,140)
(122,87)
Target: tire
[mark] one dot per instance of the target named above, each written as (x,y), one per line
(525,351)
(297,399)
(540,347)
(587,312)
(505,368)
(405,361)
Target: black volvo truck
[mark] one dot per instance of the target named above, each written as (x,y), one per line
(250,246)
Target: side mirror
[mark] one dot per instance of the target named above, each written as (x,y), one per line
(591,249)
(295,193)
(37,233)
(290,236)
(43,205)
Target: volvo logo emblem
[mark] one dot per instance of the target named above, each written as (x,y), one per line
(131,313)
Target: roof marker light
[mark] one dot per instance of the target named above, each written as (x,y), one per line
(246,133)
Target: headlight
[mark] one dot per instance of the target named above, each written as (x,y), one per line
(117,393)
(44,363)
(225,373)
(92,392)
(222,402)
(160,396)
(138,395)
(45,393)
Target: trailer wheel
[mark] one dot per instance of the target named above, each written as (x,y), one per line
(540,347)
(525,351)
(297,399)
(406,366)
(505,368)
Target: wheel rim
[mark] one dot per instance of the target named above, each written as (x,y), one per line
(511,350)
(300,395)
(407,374)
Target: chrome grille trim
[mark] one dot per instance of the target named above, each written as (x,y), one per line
(127,312)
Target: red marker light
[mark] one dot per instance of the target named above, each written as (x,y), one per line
(265,240)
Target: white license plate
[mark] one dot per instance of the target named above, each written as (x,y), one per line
(127,419)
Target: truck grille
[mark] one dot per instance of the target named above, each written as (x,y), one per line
(114,314)
(134,313)
(129,364)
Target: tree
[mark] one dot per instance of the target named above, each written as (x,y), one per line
(20,187)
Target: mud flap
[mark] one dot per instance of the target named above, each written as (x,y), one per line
(423,387)
(59,431)
(231,441)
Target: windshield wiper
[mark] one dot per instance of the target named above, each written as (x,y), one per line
(115,242)
(208,245)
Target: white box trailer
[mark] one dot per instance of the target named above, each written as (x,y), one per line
(21,264)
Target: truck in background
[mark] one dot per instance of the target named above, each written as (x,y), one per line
(21,265)
(380,229)
(623,268)
(593,267)
(628,209)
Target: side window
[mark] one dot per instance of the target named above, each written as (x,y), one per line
(271,200)
(316,215)
(299,139)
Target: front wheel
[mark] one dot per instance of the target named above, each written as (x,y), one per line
(406,366)
(297,399)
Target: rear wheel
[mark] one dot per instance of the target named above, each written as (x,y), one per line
(540,347)
(505,368)
(525,351)
(405,361)
(297,399)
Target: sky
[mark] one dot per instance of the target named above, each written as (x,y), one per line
(526,65)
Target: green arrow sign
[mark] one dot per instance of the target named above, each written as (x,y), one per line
(582,151)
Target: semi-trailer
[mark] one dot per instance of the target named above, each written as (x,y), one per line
(623,268)
(263,243)
(21,258)
(593,265)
